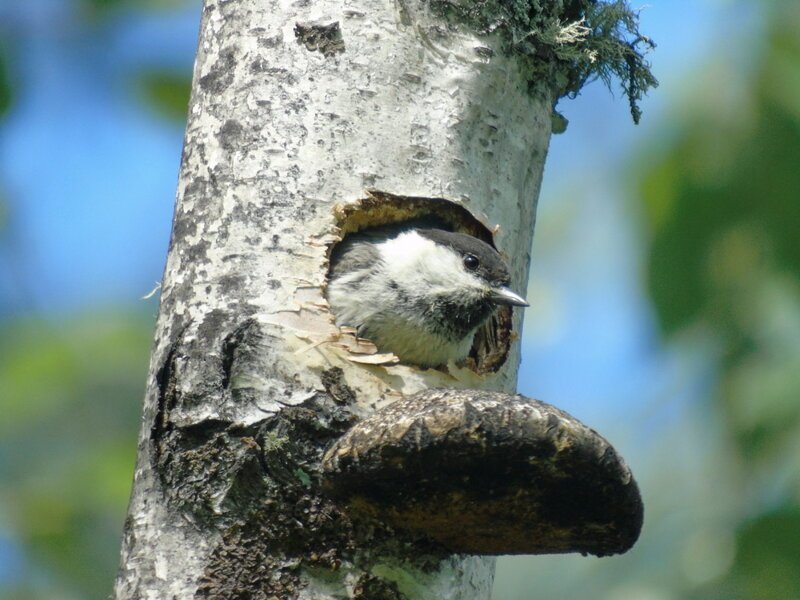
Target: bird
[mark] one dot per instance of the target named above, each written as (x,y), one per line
(420,293)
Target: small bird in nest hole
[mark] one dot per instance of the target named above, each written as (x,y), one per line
(420,293)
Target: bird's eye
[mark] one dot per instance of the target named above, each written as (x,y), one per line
(471,262)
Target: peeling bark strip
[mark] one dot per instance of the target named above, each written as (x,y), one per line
(250,381)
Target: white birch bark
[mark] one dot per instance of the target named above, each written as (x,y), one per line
(279,134)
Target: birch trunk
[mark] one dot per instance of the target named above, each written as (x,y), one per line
(297,110)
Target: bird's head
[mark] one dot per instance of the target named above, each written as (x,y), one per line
(453,280)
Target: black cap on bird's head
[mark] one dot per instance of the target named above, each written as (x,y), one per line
(480,259)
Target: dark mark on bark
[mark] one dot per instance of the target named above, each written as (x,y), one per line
(229,134)
(232,284)
(273,516)
(248,569)
(221,74)
(271,42)
(198,434)
(167,398)
(238,348)
(195,254)
(327,39)
(259,65)
(336,386)
(228,356)
(484,52)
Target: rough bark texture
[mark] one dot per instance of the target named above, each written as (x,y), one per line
(296,110)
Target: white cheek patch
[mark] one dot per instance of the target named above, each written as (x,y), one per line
(419,261)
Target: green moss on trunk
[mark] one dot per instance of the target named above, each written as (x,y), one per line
(568,42)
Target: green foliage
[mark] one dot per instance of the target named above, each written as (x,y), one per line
(722,205)
(732,213)
(167,92)
(5,84)
(570,42)
(767,561)
(71,403)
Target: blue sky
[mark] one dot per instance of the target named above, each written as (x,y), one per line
(89,171)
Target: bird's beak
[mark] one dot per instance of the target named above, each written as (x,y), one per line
(503,295)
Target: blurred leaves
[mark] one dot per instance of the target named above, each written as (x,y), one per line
(5,84)
(71,403)
(766,565)
(722,206)
(71,392)
(167,92)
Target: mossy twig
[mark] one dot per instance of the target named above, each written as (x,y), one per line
(569,42)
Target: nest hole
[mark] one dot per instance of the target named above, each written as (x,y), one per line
(492,341)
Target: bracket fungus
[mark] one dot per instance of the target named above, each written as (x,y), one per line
(483,472)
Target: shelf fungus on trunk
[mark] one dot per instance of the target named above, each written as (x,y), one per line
(484,472)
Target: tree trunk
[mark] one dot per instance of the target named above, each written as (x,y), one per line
(309,120)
